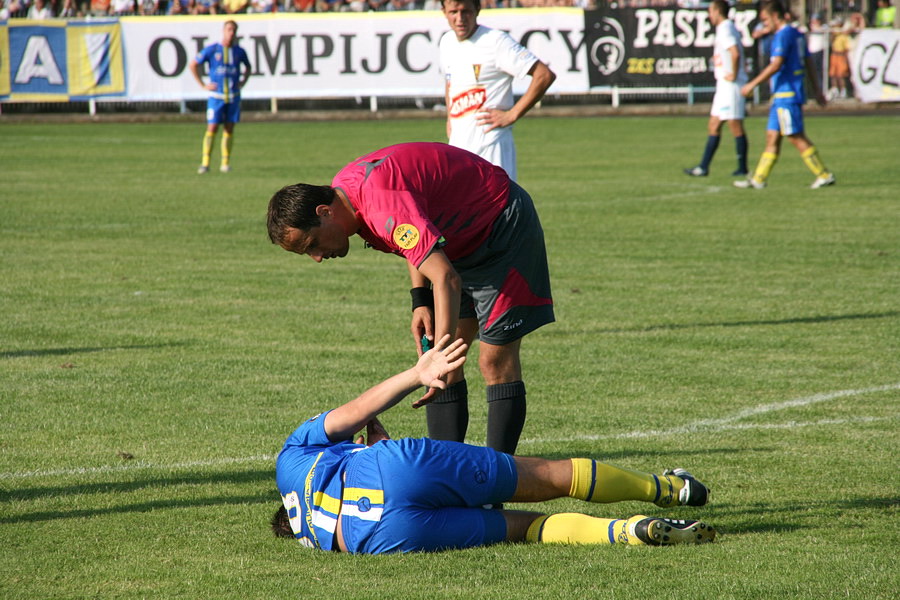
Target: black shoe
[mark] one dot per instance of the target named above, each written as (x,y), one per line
(696,172)
(666,532)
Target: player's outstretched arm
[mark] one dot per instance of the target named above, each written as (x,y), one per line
(431,370)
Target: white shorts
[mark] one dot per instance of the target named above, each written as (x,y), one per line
(728,104)
(498,147)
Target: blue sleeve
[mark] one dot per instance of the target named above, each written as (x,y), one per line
(310,433)
(205,54)
(779,43)
(246,59)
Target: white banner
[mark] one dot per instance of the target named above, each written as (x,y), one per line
(875,68)
(339,55)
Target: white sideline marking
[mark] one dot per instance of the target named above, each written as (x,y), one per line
(726,422)
(723,424)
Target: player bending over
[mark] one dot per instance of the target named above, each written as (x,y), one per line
(412,495)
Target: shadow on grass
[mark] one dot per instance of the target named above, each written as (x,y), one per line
(151,505)
(124,487)
(65,351)
(751,323)
(778,517)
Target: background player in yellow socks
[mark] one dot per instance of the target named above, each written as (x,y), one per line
(225,82)
(424,495)
(789,65)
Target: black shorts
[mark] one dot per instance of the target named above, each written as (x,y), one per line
(506,281)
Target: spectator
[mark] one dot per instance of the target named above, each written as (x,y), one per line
(886,15)
(99,8)
(179,7)
(304,6)
(839,65)
(331,6)
(148,8)
(815,42)
(205,7)
(40,11)
(262,6)
(762,36)
(234,7)
(121,8)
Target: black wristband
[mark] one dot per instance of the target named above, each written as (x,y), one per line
(422,296)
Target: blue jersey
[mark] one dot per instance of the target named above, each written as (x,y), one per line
(224,70)
(788,82)
(309,473)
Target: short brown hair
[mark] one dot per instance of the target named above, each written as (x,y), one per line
(295,206)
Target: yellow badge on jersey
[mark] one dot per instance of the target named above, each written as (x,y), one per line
(406,236)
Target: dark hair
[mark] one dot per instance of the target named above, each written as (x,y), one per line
(721,7)
(773,7)
(281,524)
(295,206)
(476,4)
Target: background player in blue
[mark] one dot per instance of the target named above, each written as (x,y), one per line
(412,495)
(788,67)
(225,83)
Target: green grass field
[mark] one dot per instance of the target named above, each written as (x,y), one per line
(750,336)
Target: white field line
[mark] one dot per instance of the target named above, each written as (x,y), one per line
(727,422)
(722,424)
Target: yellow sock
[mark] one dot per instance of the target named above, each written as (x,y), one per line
(766,162)
(599,482)
(227,141)
(811,157)
(575,528)
(207,147)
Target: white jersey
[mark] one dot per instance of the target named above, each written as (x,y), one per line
(479,72)
(727,36)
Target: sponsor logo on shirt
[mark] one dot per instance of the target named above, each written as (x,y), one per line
(468,101)
(406,236)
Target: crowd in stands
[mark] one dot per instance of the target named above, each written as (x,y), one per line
(46,9)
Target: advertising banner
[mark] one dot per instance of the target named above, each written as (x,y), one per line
(59,61)
(654,47)
(339,55)
(875,68)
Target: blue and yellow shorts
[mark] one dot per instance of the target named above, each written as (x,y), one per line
(423,495)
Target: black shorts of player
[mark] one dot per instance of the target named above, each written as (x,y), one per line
(506,280)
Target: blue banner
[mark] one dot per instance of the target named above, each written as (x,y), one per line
(59,61)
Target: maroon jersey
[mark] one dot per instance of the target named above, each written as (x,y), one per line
(414,197)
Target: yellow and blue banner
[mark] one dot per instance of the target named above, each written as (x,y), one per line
(60,61)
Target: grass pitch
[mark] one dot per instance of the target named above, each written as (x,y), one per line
(156,350)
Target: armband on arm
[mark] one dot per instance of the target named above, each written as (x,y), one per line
(422,296)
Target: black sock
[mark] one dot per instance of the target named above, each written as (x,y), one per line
(448,416)
(712,144)
(740,144)
(506,415)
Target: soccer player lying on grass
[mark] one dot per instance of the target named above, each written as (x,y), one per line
(411,495)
